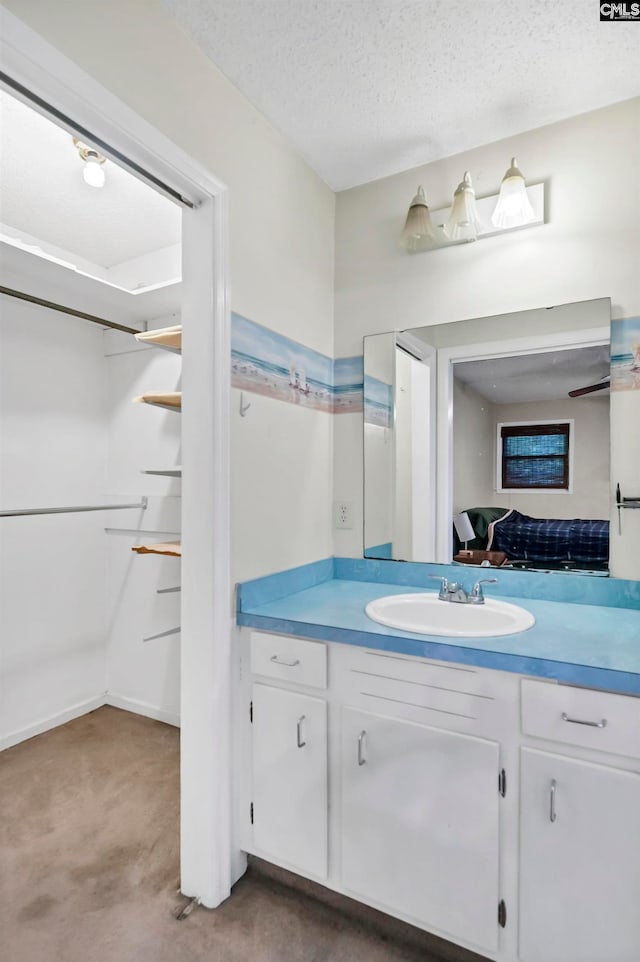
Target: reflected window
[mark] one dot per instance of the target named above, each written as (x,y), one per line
(535,456)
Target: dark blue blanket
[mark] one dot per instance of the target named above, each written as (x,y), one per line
(549,540)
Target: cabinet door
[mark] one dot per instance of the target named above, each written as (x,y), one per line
(579,861)
(420,812)
(289,735)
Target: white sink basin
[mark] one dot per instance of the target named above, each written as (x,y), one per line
(428,615)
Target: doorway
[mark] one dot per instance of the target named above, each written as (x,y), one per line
(52,84)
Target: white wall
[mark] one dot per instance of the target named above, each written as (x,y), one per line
(473,449)
(587,249)
(625,462)
(589,497)
(53,567)
(142,676)
(282,235)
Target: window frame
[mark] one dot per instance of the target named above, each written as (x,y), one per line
(541,422)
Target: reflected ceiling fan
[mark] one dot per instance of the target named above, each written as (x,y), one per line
(602,385)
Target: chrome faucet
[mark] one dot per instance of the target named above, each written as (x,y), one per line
(454,592)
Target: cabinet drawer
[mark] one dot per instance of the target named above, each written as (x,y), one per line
(363,664)
(578,716)
(289,659)
(440,706)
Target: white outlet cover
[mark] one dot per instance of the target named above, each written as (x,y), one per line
(343,514)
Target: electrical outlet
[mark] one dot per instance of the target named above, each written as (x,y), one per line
(343,514)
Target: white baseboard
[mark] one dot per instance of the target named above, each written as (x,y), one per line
(53,721)
(142,708)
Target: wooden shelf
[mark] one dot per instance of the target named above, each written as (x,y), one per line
(171,548)
(170,401)
(168,338)
(165,472)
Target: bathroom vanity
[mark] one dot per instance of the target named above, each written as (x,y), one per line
(486,790)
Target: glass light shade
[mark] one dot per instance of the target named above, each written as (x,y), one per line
(418,233)
(93,172)
(513,208)
(463,223)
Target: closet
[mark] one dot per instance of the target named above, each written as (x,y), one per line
(90,440)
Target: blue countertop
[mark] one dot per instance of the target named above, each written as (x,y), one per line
(577,642)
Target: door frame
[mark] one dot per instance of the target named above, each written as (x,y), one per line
(205,774)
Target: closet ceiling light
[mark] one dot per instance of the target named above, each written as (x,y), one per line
(93,170)
(470,218)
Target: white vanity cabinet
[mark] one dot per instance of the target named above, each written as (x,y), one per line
(289,807)
(579,827)
(499,812)
(289,769)
(420,823)
(579,861)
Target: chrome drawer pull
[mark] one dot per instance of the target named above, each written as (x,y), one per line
(361,745)
(301,744)
(552,801)
(579,721)
(281,661)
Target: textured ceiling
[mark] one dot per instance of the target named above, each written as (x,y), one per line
(367,88)
(536,377)
(43,194)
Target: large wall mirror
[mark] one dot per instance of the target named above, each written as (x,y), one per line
(487,440)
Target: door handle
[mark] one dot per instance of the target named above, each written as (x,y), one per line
(361,748)
(301,743)
(552,801)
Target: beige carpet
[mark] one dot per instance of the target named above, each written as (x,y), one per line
(89,863)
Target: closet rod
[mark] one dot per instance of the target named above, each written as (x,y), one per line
(73,510)
(67,310)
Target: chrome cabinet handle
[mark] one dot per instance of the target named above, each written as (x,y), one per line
(552,801)
(281,661)
(361,746)
(301,743)
(579,721)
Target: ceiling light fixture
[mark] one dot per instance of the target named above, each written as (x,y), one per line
(93,170)
(470,218)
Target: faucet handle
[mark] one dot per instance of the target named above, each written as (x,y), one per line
(444,586)
(476,593)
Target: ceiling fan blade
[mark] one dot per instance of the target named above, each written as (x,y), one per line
(591,388)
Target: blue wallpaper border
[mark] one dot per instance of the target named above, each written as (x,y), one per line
(267,363)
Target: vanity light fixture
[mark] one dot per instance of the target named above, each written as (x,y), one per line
(464,222)
(470,218)
(418,233)
(93,169)
(513,208)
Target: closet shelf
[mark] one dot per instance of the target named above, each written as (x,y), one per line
(168,338)
(165,472)
(171,548)
(171,401)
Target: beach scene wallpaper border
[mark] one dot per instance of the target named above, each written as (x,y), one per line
(378,402)
(267,363)
(625,354)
